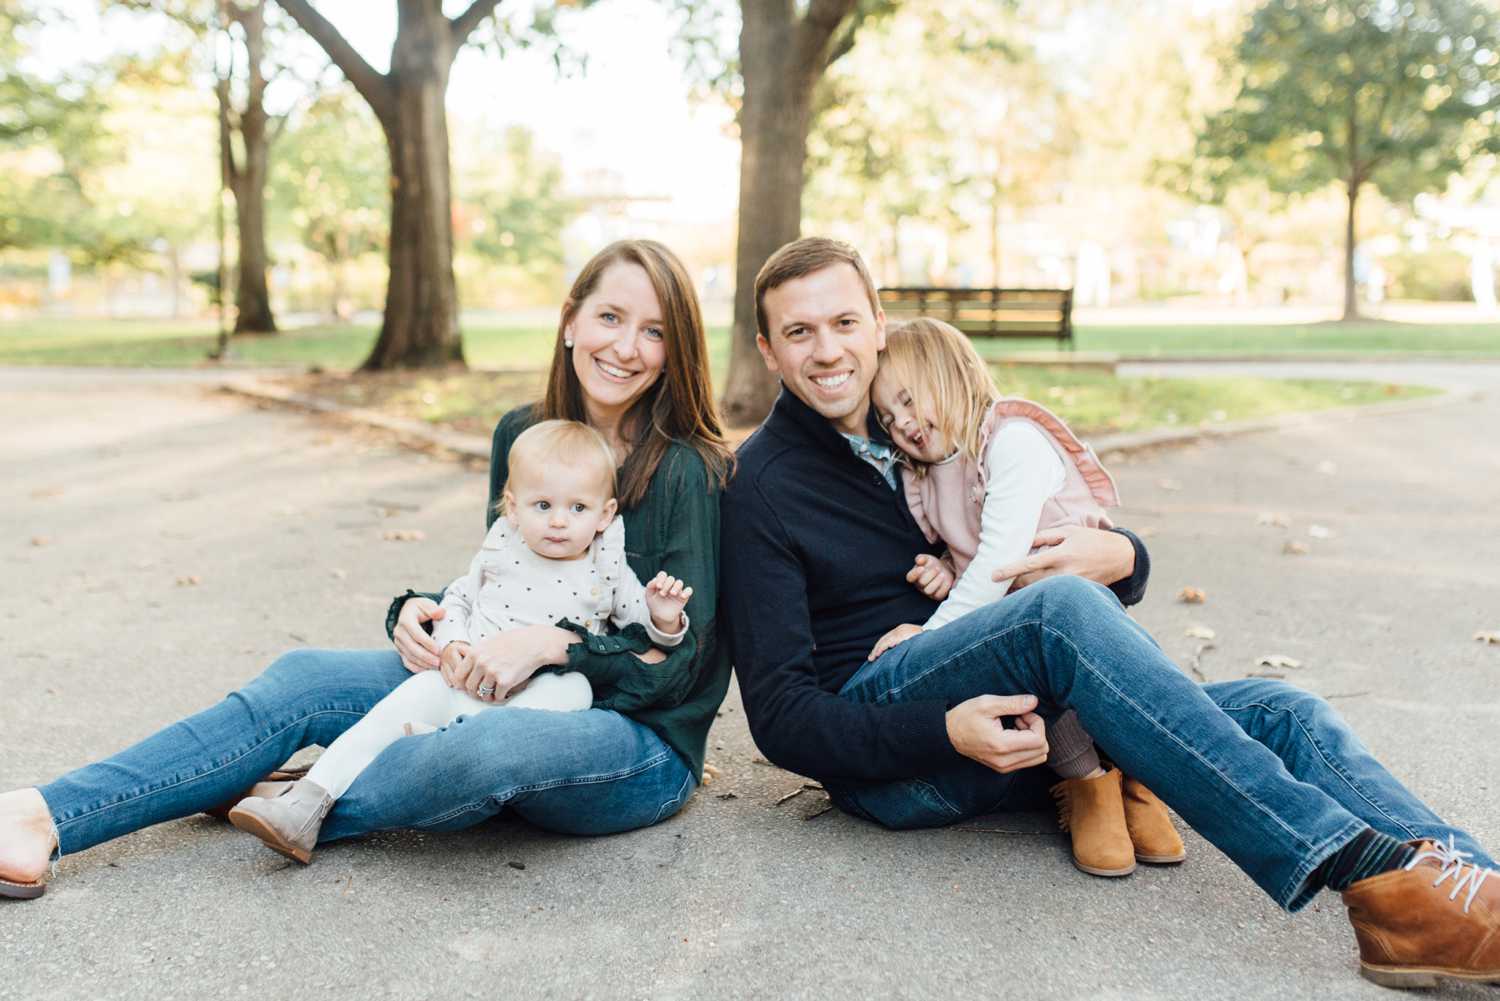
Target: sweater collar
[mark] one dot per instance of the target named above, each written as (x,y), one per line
(793,418)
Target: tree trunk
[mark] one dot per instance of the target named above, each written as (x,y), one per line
(1351,300)
(782,58)
(252,299)
(420,328)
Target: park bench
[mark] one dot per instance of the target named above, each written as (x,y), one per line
(988,312)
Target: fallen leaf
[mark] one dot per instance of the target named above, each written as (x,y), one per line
(727,795)
(709,773)
(1169,484)
(517,865)
(338,574)
(1293,548)
(1277,660)
(1273,519)
(1191,596)
(404,535)
(1319,532)
(191,580)
(1492,639)
(1199,632)
(1328,468)
(41,540)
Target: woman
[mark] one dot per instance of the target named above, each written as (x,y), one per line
(632,362)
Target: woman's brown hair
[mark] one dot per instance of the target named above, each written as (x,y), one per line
(679,406)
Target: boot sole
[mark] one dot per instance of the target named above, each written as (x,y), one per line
(1094,871)
(251,824)
(1161,859)
(1406,977)
(22,891)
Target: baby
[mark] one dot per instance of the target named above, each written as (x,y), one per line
(557,552)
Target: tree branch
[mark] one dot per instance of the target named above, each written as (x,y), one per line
(818,25)
(464,24)
(228,168)
(374,87)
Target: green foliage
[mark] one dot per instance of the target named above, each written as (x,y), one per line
(328,178)
(516,207)
(1400,94)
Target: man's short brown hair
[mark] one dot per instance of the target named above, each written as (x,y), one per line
(803,257)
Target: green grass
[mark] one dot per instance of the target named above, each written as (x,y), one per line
(1092,402)
(164,344)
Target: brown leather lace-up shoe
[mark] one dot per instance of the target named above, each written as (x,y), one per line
(1438,917)
(1092,811)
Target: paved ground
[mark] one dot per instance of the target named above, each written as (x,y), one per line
(120,492)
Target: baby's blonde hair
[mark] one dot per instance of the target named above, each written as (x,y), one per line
(567,443)
(946,378)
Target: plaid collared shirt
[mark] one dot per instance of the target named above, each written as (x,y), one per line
(877,453)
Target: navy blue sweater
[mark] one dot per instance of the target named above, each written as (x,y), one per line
(815,547)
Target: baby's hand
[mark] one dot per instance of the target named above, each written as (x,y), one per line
(893,638)
(931,576)
(666,596)
(453,655)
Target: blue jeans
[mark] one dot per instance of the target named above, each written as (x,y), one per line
(1268,773)
(590,772)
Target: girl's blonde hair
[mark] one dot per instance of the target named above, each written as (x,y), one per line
(560,443)
(946,378)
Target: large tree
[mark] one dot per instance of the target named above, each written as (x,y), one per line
(785,48)
(420,328)
(1358,92)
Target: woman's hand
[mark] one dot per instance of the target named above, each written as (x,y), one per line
(896,636)
(498,666)
(418,650)
(931,576)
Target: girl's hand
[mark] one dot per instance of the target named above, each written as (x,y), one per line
(508,659)
(895,637)
(666,597)
(418,650)
(931,576)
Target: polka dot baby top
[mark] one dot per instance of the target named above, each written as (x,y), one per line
(509,586)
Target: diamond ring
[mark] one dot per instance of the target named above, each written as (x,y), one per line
(486,689)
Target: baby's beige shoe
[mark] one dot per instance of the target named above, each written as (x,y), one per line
(288,823)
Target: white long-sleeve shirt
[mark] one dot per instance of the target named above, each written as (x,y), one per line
(1023,472)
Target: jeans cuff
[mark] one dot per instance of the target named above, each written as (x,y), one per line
(1297,894)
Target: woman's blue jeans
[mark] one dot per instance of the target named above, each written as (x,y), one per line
(1268,773)
(590,772)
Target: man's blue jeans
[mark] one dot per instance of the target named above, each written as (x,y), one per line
(590,772)
(1268,773)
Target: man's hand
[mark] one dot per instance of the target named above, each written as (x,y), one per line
(454,656)
(418,650)
(976,731)
(896,636)
(1092,553)
(666,597)
(931,576)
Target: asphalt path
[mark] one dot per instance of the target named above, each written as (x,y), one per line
(163,542)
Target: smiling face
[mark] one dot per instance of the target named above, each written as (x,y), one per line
(824,340)
(912,429)
(618,339)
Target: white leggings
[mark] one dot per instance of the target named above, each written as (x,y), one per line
(426,702)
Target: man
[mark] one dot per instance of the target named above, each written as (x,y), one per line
(817,548)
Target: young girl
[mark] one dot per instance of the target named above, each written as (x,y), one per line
(986,474)
(557,553)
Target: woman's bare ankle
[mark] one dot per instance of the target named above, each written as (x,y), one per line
(26,836)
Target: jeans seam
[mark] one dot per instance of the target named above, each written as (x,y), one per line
(1089,666)
(676,800)
(1331,763)
(886,695)
(145,794)
(615,776)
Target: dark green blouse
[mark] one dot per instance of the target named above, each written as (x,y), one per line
(674,528)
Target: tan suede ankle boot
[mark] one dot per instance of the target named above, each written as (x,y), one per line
(1092,811)
(1151,831)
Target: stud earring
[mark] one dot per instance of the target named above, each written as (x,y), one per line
(567,344)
